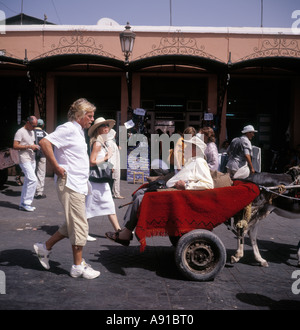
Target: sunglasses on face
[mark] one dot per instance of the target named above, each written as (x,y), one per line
(104,125)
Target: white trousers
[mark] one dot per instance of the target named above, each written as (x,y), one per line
(116,183)
(30,182)
(40,174)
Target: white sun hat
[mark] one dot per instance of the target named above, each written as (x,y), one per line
(98,122)
(248,129)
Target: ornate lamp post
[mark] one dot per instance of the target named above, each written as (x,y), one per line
(127,38)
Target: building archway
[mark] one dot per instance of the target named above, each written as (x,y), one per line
(92,76)
(261,93)
(174,89)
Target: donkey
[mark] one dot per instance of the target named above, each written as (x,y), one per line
(261,207)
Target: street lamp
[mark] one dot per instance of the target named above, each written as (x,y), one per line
(127,38)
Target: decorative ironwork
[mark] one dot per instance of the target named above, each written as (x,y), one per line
(275,48)
(76,44)
(178,45)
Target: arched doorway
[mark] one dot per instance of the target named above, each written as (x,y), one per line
(175,89)
(261,93)
(94,77)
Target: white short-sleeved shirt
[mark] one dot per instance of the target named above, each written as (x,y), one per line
(239,147)
(25,137)
(70,151)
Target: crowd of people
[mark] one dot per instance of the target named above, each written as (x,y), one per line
(85,192)
(195,159)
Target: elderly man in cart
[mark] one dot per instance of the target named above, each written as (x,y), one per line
(195,175)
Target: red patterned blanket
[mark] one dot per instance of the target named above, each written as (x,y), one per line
(175,212)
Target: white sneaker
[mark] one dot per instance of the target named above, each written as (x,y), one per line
(84,270)
(91,239)
(43,254)
(26,207)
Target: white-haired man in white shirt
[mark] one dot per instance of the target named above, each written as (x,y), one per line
(71,166)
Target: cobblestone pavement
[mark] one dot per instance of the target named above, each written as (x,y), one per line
(131,280)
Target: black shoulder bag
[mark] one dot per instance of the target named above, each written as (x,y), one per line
(101,173)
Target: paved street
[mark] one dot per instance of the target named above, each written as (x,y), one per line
(131,280)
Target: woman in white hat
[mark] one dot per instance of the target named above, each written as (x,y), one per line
(100,201)
(239,164)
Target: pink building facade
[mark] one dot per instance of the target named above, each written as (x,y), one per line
(182,76)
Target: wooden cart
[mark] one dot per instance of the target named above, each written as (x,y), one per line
(188,218)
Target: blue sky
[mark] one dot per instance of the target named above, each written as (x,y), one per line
(235,13)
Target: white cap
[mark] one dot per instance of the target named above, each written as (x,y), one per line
(248,128)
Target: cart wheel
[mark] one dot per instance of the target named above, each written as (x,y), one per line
(200,255)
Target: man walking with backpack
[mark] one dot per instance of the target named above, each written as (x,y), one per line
(239,164)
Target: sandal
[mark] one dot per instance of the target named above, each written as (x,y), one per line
(19,181)
(114,236)
(119,197)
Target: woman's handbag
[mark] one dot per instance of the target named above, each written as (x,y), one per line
(101,173)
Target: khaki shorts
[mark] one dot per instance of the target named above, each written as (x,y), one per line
(76,225)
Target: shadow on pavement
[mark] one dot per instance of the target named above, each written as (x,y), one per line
(261,301)
(26,259)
